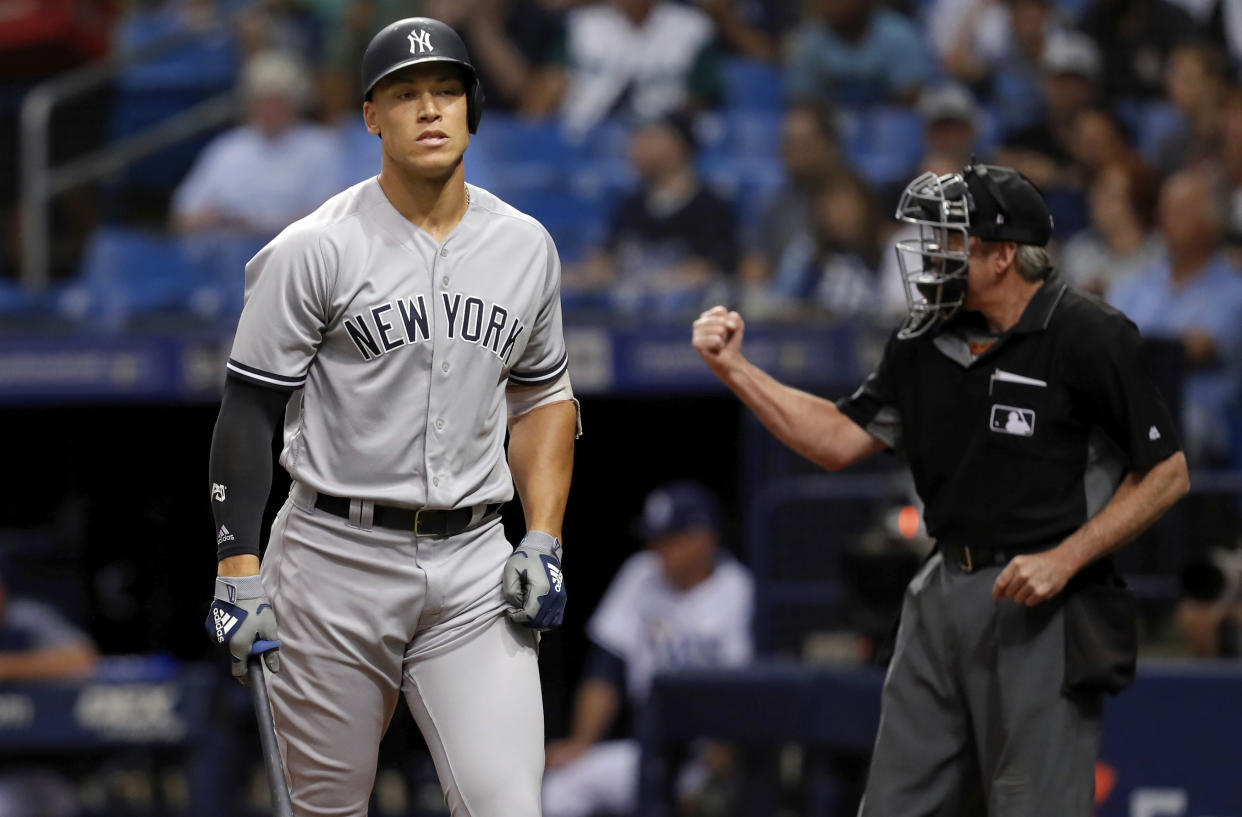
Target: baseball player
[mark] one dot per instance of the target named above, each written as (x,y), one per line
(1039,446)
(399,328)
(679,603)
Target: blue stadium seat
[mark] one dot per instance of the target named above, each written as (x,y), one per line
(127,273)
(749,182)
(752,85)
(362,151)
(576,219)
(507,138)
(207,61)
(1155,123)
(16,300)
(883,143)
(751,133)
(609,140)
(1069,211)
(153,90)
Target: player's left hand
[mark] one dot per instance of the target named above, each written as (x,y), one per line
(1033,578)
(533,583)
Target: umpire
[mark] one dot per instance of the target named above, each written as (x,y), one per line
(1039,446)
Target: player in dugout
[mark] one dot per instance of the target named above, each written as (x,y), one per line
(681,602)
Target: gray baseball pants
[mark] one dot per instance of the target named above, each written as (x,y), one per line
(973,695)
(366,616)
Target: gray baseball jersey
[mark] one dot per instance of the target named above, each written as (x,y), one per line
(401,346)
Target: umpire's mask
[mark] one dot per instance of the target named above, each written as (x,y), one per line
(986,201)
(934,263)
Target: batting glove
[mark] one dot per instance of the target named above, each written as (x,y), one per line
(533,583)
(242,620)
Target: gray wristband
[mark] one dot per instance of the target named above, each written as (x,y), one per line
(234,588)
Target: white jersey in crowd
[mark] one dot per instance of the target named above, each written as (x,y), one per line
(655,626)
(400,346)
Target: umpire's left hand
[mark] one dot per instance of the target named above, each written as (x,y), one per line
(1034,577)
(533,583)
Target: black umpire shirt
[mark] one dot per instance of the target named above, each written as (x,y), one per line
(1017,446)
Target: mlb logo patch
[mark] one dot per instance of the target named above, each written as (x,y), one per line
(1013,420)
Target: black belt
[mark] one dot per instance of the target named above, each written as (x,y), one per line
(422,522)
(972,558)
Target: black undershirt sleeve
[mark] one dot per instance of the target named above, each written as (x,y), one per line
(241,463)
(605,666)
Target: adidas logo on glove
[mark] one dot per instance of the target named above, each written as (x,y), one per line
(225,621)
(554,575)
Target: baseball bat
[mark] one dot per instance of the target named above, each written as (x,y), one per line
(281,805)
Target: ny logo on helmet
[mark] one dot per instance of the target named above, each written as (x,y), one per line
(420,41)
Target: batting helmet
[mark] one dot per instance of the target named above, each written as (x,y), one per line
(415,40)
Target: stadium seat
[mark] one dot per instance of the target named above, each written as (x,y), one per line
(128,273)
(883,143)
(16,300)
(361,150)
(749,182)
(508,138)
(752,85)
(752,134)
(1156,122)
(150,91)
(575,219)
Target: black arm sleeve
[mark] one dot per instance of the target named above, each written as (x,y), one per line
(241,463)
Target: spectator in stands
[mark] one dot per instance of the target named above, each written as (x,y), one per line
(969,36)
(510,41)
(1100,138)
(670,243)
(751,28)
(635,58)
(856,52)
(279,25)
(1228,169)
(1209,613)
(1043,150)
(833,269)
(1119,242)
(1135,38)
(950,122)
(810,155)
(682,602)
(38,644)
(1194,295)
(349,26)
(999,50)
(1223,20)
(1197,80)
(273,169)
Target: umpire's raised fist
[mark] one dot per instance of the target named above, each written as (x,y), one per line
(718,338)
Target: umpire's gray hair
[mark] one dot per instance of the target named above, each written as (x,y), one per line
(1033,262)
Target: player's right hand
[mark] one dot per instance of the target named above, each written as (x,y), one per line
(533,583)
(718,338)
(241,616)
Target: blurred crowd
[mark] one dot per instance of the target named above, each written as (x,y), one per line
(691,152)
(751,151)
(686,153)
